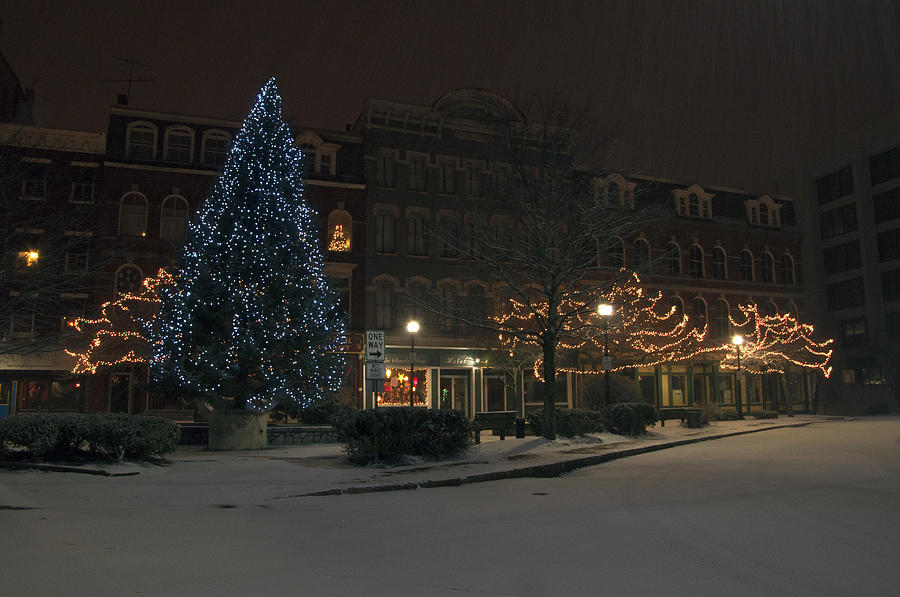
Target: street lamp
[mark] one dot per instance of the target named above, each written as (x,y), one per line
(737,341)
(606,310)
(412,327)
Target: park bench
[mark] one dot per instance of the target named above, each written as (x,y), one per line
(497,421)
(688,415)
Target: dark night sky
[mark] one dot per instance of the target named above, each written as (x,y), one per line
(718,92)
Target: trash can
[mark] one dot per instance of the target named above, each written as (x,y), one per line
(693,418)
(520,428)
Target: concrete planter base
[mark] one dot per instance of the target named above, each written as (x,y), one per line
(237,430)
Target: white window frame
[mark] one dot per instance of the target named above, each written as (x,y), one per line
(169,228)
(183,131)
(139,220)
(217,135)
(146,127)
(684,197)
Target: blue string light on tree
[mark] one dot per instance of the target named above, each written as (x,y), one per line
(252,316)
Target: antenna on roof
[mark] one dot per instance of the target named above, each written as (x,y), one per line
(130,80)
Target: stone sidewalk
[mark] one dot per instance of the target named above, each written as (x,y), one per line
(322,469)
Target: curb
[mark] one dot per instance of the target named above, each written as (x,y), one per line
(549,470)
(58,468)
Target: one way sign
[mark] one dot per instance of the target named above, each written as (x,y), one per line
(375,346)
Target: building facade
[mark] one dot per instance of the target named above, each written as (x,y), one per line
(717,248)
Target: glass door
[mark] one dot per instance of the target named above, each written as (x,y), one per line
(454,392)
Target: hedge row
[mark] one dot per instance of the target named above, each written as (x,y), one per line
(625,418)
(569,422)
(389,434)
(74,436)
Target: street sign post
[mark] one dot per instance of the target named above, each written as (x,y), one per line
(375,346)
(375,371)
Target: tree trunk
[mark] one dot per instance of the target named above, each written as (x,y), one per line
(788,397)
(549,387)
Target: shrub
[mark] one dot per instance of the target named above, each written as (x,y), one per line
(327,411)
(629,418)
(711,411)
(763,414)
(73,436)
(389,434)
(569,422)
(729,414)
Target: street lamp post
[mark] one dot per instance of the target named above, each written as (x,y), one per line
(606,310)
(412,327)
(737,341)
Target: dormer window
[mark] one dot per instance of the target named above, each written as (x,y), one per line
(614,191)
(693,202)
(140,141)
(179,146)
(215,147)
(319,157)
(764,212)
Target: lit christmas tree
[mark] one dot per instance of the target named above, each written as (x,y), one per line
(251,317)
(642,331)
(775,343)
(119,335)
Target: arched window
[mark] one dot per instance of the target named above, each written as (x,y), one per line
(340,228)
(695,261)
(678,304)
(129,278)
(179,144)
(718,264)
(699,313)
(673,259)
(133,215)
(787,269)
(173,219)
(767,268)
(640,256)
(693,205)
(616,253)
(746,265)
(771,309)
(140,141)
(721,325)
(215,147)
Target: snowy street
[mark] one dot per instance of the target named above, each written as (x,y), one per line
(797,511)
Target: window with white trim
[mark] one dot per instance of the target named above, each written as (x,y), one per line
(384,170)
(214,147)
(721,325)
(416,234)
(173,219)
(340,229)
(641,256)
(719,268)
(82,189)
(787,269)
(764,212)
(140,141)
(767,268)
(693,202)
(179,144)
(746,266)
(699,313)
(673,259)
(695,261)
(133,214)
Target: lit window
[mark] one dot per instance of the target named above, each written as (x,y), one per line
(340,226)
